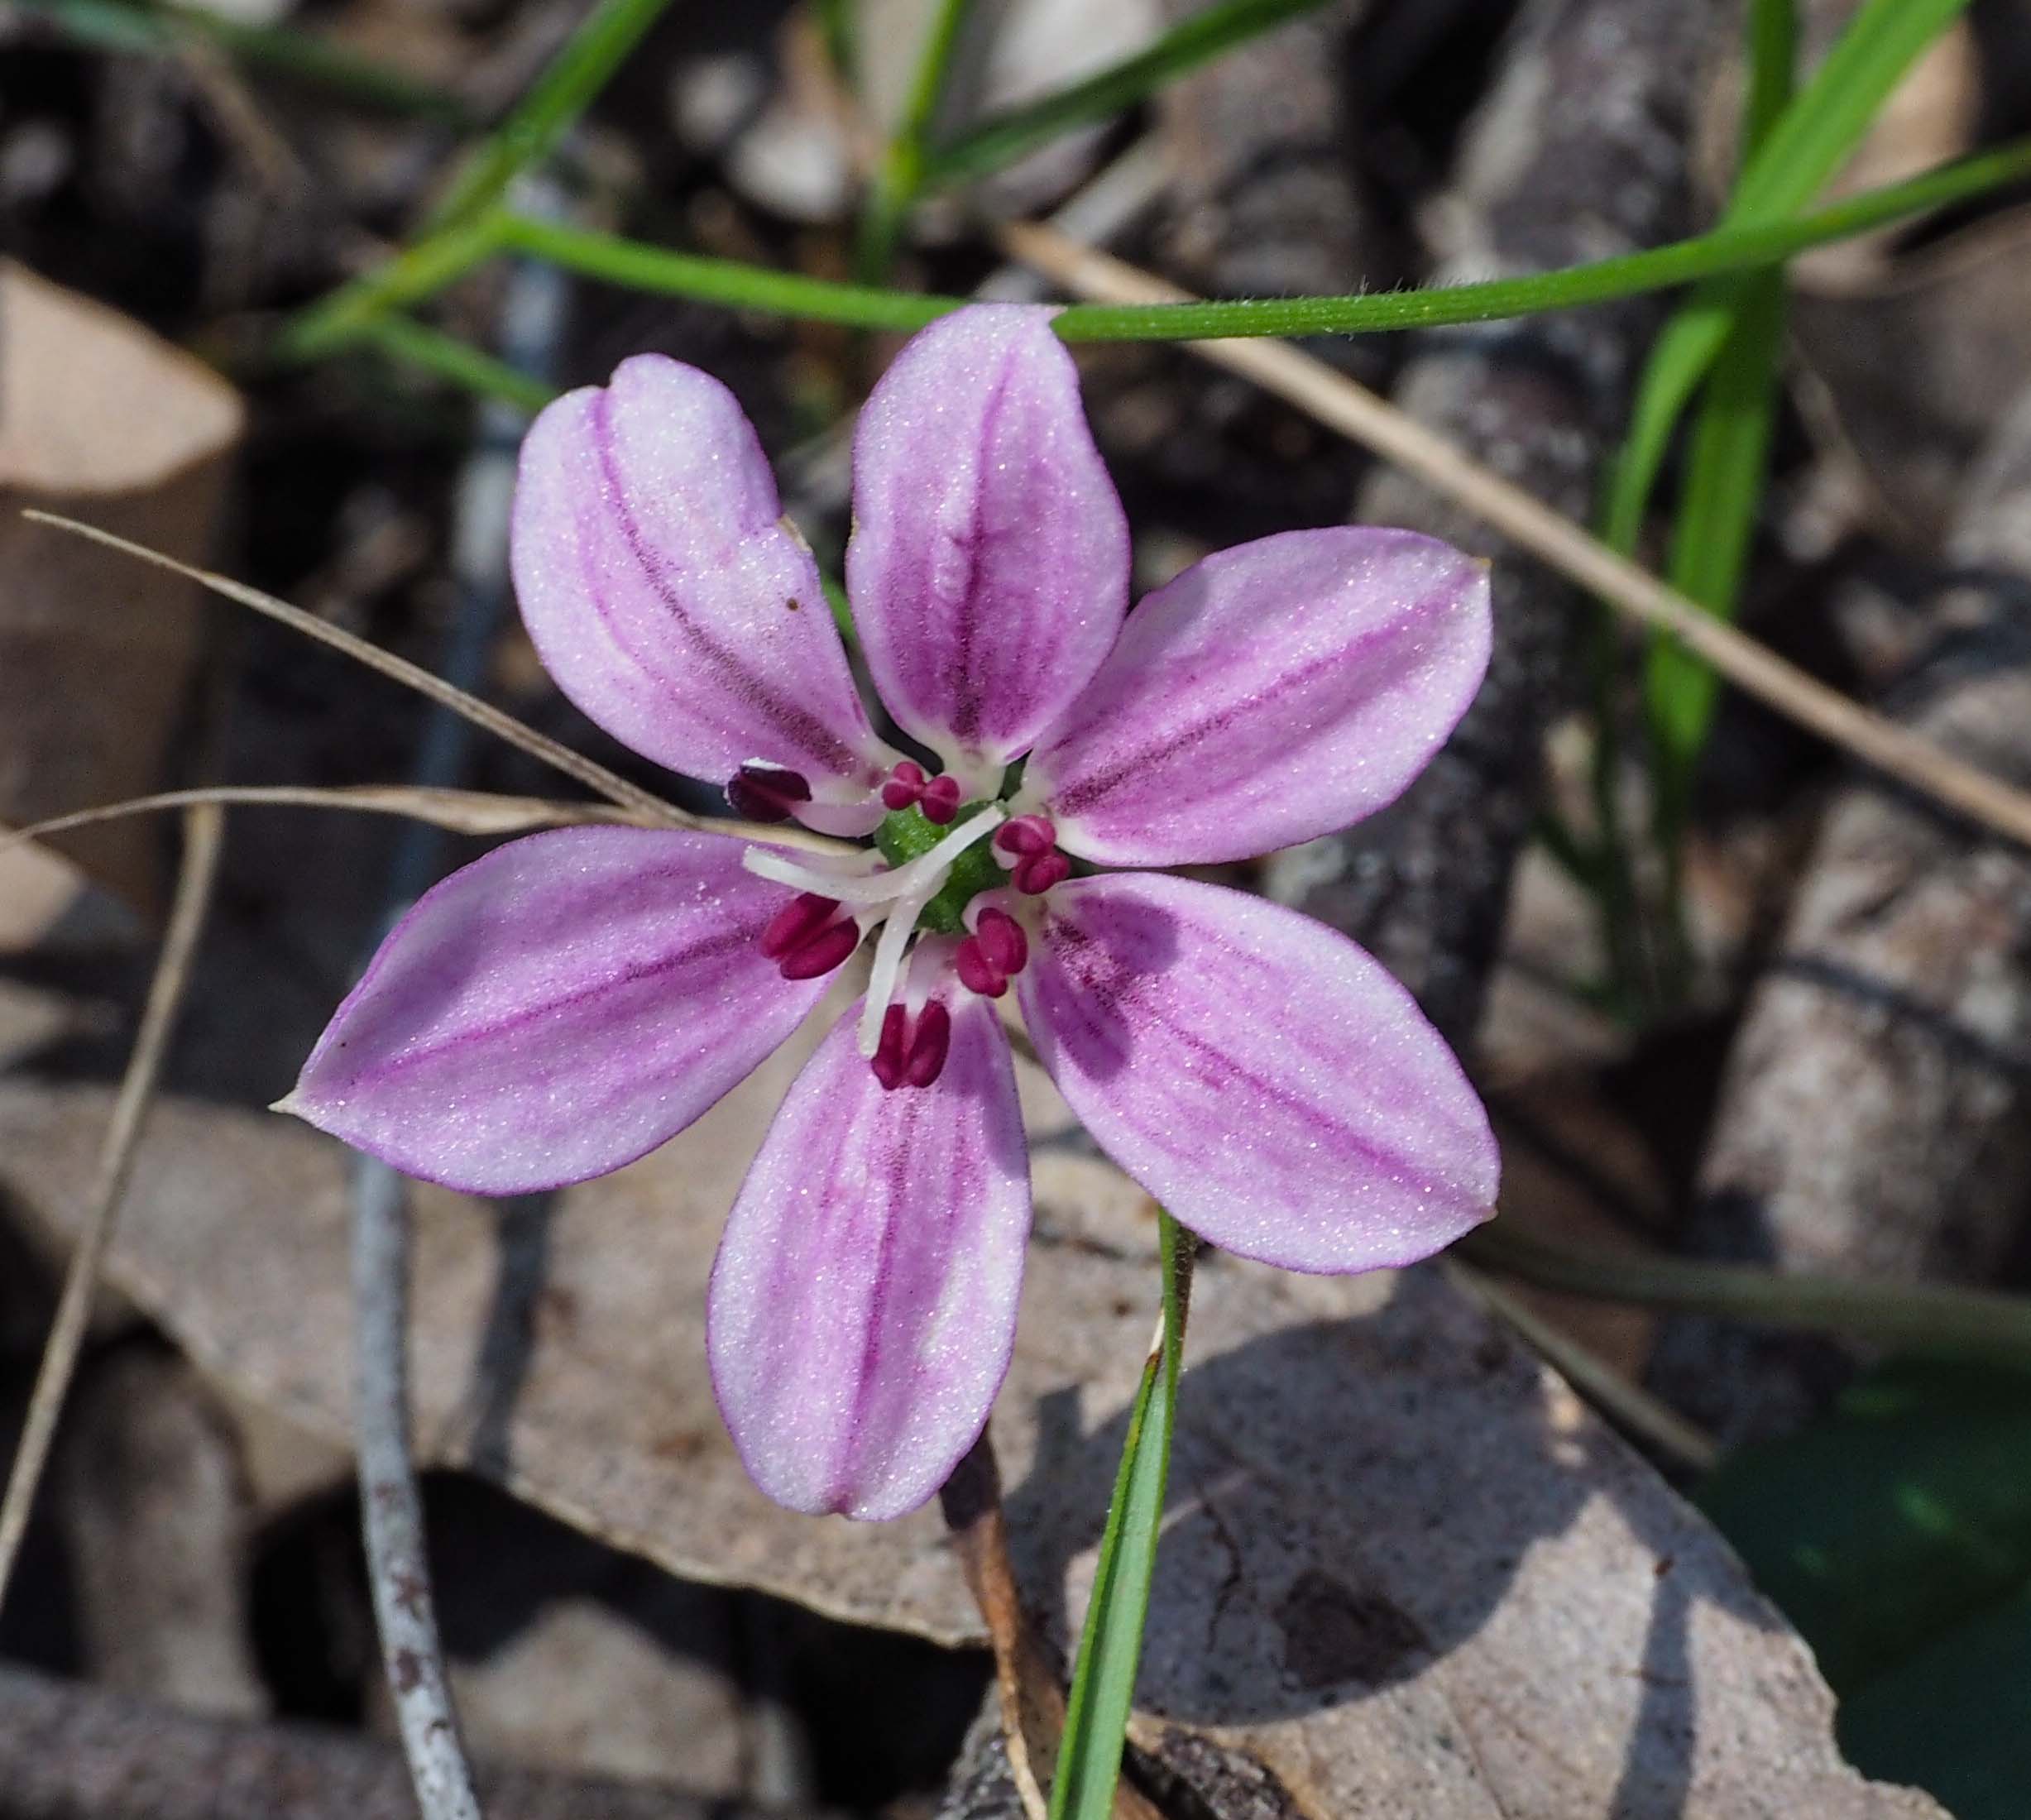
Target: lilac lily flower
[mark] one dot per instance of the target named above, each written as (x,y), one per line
(573,999)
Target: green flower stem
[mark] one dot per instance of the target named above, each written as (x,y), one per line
(568,85)
(1001,139)
(1096,1714)
(638,266)
(1932,1318)
(635,266)
(899,179)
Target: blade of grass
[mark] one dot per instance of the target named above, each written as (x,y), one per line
(409,278)
(900,174)
(1803,148)
(568,85)
(1096,1717)
(404,339)
(1726,473)
(1718,510)
(1002,138)
(158,30)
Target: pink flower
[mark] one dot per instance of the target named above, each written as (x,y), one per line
(571,1000)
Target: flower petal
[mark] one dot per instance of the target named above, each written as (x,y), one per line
(1271,693)
(864,1300)
(1261,1076)
(665,593)
(988,567)
(556,1009)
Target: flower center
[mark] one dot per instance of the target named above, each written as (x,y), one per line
(942,854)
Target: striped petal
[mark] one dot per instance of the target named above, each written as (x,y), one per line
(667,595)
(863,1304)
(989,568)
(1271,693)
(556,1009)
(1261,1076)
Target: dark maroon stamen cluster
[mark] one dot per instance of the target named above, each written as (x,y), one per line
(767,792)
(809,936)
(912,1058)
(1030,844)
(992,954)
(938,797)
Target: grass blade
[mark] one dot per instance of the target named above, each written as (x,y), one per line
(1725,475)
(1804,148)
(1096,1719)
(568,85)
(1724,480)
(158,31)
(900,178)
(1002,138)
(429,349)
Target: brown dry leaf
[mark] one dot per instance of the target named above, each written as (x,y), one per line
(98,416)
(1405,1570)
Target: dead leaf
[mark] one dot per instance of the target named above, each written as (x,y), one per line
(1405,1570)
(97,413)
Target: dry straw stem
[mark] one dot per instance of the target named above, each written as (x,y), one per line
(204,830)
(456,812)
(594,776)
(1635,1408)
(1358,415)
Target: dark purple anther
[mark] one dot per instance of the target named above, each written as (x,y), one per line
(905,786)
(929,1046)
(1002,940)
(992,954)
(821,953)
(1036,873)
(909,783)
(1026,835)
(796,923)
(908,1058)
(766,793)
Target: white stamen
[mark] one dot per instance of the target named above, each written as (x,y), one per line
(890,970)
(880,887)
(922,880)
(841,886)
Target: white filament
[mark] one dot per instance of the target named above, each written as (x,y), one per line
(891,968)
(904,881)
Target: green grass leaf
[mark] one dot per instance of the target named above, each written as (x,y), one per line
(130,26)
(1803,148)
(1001,139)
(569,84)
(1096,1719)
(1729,463)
